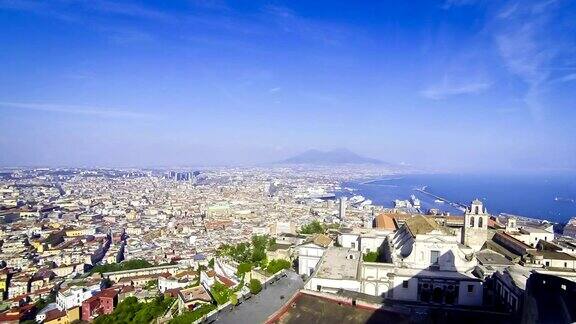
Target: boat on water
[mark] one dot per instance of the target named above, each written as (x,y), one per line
(415,201)
(561,199)
(356,199)
(366,203)
(402,204)
(438,201)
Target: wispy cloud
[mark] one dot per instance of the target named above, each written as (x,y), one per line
(568,78)
(447,89)
(126,9)
(68,9)
(527,48)
(290,22)
(530,40)
(456,3)
(76,110)
(91,14)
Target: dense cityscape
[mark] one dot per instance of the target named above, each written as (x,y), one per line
(275,245)
(287,162)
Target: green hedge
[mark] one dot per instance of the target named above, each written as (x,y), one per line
(255,286)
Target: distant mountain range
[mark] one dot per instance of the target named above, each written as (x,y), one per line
(339,156)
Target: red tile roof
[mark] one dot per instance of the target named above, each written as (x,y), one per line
(385,221)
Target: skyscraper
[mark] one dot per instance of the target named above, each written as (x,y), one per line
(342,210)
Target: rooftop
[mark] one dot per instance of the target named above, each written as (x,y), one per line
(488,257)
(314,309)
(384,221)
(195,293)
(320,240)
(339,263)
(421,225)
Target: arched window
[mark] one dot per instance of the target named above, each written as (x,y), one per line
(480,222)
(477,210)
(471,221)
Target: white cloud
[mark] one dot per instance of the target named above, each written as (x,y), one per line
(528,49)
(457,3)
(568,78)
(75,110)
(446,89)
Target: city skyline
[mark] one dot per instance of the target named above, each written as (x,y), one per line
(442,85)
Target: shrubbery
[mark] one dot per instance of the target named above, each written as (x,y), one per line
(370,257)
(243,268)
(313,228)
(255,286)
(221,293)
(253,252)
(189,317)
(275,266)
(132,311)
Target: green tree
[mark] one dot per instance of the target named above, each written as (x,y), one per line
(126,265)
(243,268)
(271,243)
(260,242)
(191,316)
(152,284)
(131,311)
(220,293)
(241,252)
(234,299)
(258,255)
(276,265)
(255,286)
(370,257)
(313,228)
(211,263)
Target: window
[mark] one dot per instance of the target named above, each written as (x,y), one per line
(480,222)
(434,257)
(405,284)
(547,263)
(471,221)
(470,288)
(565,264)
(318,287)
(353,245)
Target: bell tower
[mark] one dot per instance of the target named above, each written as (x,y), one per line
(475,230)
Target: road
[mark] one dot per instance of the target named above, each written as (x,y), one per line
(258,308)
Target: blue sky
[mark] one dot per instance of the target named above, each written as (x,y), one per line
(449,85)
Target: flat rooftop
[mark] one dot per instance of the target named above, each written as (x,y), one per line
(314,309)
(487,257)
(339,263)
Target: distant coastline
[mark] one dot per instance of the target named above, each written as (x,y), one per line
(531,196)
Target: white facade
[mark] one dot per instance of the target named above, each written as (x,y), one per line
(170,283)
(531,236)
(349,240)
(75,295)
(308,256)
(365,240)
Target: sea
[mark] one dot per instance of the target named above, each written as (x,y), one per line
(550,196)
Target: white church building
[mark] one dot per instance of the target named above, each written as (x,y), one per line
(427,263)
